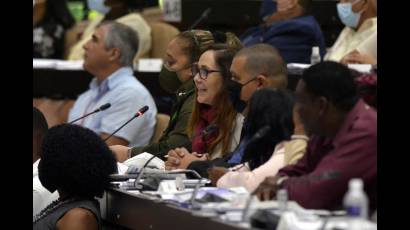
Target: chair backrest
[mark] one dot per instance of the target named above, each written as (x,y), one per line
(161,34)
(162,123)
(55,111)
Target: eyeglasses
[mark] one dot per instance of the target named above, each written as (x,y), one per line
(203,73)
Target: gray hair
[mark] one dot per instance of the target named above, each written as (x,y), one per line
(124,38)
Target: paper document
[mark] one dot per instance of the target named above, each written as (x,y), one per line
(140,159)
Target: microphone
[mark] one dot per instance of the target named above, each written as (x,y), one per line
(203,16)
(208,130)
(192,202)
(103,107)
(139,113)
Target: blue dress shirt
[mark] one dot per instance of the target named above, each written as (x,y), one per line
(126,95)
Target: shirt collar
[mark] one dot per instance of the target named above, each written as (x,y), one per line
(113,80)
(367,24)
(35,167)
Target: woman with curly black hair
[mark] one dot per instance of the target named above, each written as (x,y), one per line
(76,163)
(277,148)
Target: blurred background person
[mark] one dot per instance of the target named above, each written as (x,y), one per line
(51,19)
(357,43)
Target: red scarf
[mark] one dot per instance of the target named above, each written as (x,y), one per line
(200,143)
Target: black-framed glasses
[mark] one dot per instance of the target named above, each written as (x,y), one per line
(203,73)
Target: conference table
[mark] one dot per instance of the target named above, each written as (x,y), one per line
(124,209)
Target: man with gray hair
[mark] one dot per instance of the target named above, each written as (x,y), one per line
(109,56)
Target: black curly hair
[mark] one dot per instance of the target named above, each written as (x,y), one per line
(268,107)
(333,81)
(75,160)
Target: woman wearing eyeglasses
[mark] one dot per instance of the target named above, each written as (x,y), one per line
(212,107)
(176,77)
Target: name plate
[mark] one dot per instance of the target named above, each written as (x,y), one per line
(150,65)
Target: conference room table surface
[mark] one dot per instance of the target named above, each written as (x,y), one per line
(133,211)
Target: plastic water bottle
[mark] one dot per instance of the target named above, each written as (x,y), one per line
(355,200)
(315,57)
(282,198)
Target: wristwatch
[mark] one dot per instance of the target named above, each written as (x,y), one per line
(129,151)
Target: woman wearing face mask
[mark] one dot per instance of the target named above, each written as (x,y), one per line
(176,77)
(212,107)
(122,11)
(357,43)
(51,18)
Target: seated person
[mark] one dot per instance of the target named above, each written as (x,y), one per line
(343,144)
(357,43)
(367,55)
(290,28)
(108,56)
(51,18)
(41,196)
(76,163)
(266,155)
(176,77)
(212,106)
(253,68)
(121,11)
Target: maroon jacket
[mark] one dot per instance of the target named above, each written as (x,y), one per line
(320,179)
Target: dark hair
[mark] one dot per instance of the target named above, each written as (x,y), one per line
(133,5)
(75,160)
(226,114)
(306,5)
(196,42)
(58,10)
(267,107)
(333,81)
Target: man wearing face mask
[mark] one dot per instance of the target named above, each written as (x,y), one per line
(253,68)
(122,11)
(357,43)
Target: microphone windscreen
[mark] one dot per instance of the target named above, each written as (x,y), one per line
(209,129)
(144,109)
(105,106)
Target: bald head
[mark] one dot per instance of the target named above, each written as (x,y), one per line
(263,59)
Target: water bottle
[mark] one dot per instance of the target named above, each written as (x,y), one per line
(355,200)
(315,57)
(282,198)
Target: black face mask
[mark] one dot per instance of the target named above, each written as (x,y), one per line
(234,89)
(169,81)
